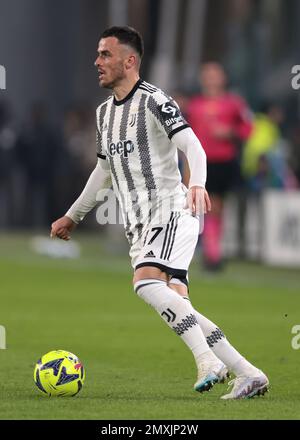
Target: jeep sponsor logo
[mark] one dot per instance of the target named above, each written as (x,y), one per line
(123,148)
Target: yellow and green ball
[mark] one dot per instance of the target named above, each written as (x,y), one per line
(59,373)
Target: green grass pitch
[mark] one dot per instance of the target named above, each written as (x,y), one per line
(136,367)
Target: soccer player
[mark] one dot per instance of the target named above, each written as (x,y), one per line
(222,122)
(139,129)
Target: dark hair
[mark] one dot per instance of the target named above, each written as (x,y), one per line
(126,35)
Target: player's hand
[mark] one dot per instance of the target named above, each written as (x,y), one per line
(198,200)
(62,228)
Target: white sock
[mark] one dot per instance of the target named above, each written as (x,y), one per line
(221,347)
(177,313)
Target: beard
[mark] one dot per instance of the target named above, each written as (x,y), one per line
(117,75)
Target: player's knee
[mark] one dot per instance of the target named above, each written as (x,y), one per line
(180,288)
(148,272)
(147,288)
(180,285)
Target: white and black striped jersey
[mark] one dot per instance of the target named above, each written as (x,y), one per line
(134,137)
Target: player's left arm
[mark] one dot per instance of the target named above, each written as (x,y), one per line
(172,123)
(197,198)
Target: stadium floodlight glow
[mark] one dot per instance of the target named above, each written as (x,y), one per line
(2,337)
(2,78)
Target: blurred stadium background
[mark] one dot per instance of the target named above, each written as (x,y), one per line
(47,110)
(47,151)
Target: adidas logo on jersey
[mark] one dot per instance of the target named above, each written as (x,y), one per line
(123,148)
(149,255)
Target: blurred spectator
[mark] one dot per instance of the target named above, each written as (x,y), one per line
(222,121)
(79,142)
(265,156)
(7,160)
(39,155)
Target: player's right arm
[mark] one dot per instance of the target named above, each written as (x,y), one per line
(99,179)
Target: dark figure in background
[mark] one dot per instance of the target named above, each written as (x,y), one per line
(78,137)
(221,121)
(38,150)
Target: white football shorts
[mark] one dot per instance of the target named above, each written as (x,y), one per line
(169,246)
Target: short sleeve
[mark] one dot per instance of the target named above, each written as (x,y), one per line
(167,113)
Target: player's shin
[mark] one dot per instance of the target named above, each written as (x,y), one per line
(179,315)
(176,312)
(222,348)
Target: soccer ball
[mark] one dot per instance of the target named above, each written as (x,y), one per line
(59,373)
